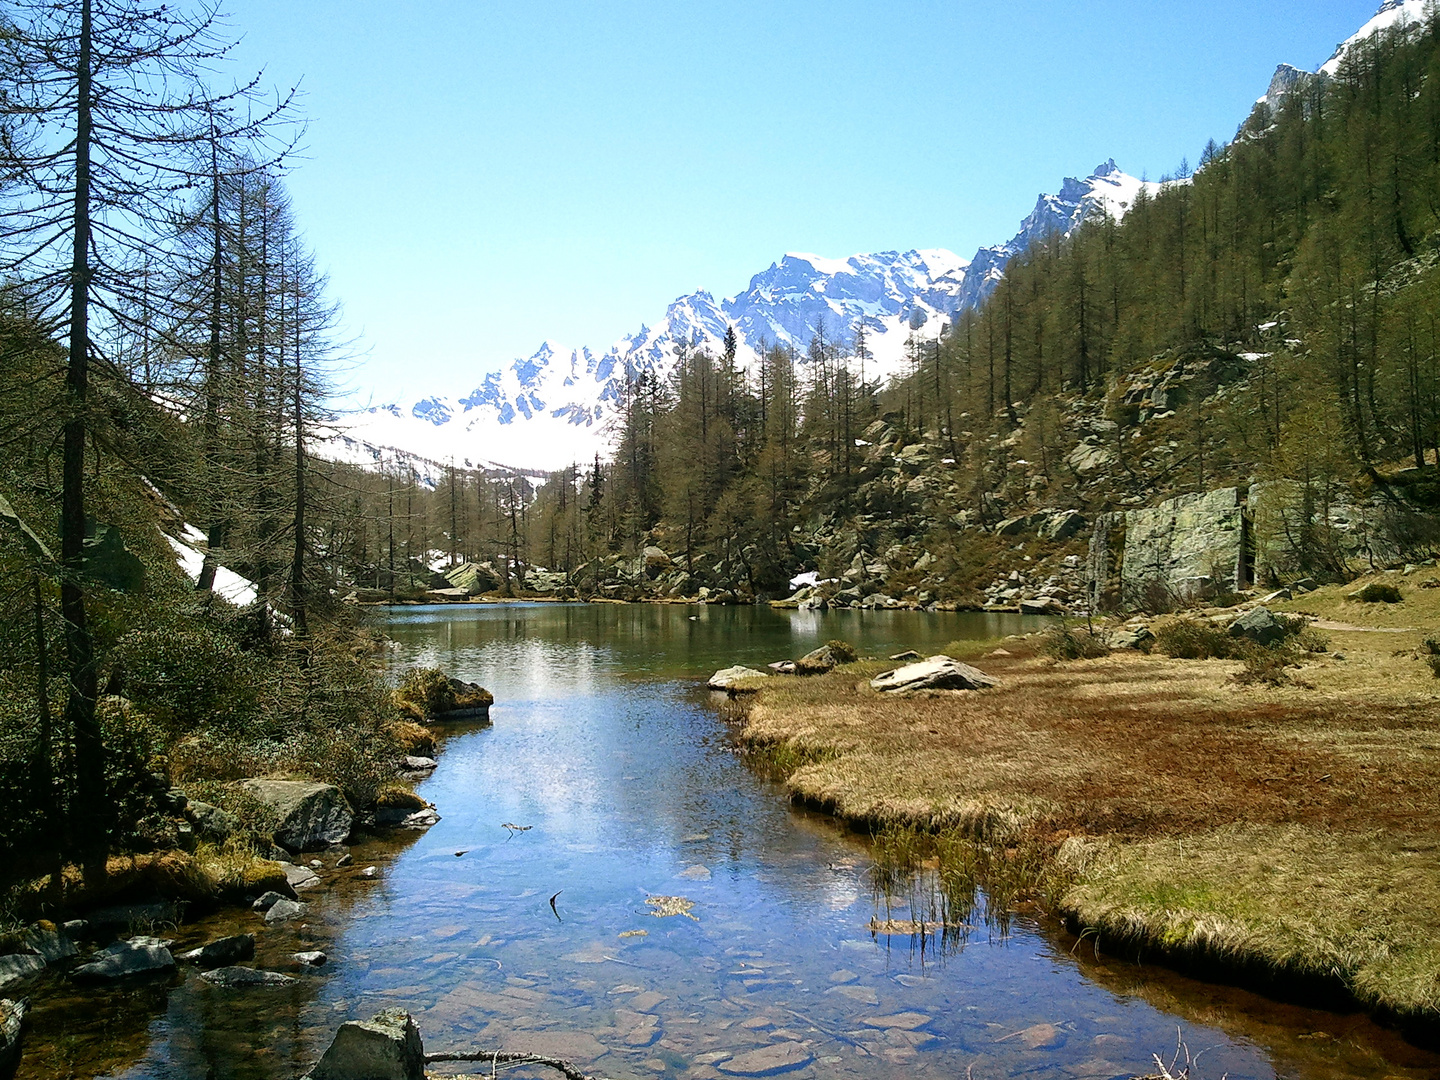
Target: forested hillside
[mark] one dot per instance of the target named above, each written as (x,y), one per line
(1272,315)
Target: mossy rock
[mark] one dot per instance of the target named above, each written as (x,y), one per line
(399,797)
(429,694)
(264,875)
(413,737)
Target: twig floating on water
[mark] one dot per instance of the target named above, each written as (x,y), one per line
(571,1071)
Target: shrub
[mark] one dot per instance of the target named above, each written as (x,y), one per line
(843,651)
(186,678)
(1061,642)
(1377,592)
(1264,666)
(1194,639)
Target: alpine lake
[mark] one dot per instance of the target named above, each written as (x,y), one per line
(611,883)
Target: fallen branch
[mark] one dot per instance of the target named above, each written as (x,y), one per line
(496,1057)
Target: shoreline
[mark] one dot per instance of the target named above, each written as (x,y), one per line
(1271,838)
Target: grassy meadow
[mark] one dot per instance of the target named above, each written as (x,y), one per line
(1282,834)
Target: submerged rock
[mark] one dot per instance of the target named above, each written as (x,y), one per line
(768,1060)
(222,951)
(312,815)
(385,1047)
(727,678)
(936,673)
(232,978)
(265,901)
(138,956)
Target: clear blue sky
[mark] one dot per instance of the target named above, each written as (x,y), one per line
(481,176)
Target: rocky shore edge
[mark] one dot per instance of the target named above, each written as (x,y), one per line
(314,826)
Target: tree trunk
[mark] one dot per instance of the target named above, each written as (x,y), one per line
(90,822)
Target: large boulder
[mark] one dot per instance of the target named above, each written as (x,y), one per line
(654,562)
(1042,605)
(1062,525)
(936,673)
(12,1020)
(1260,626)
(312,815)
(385,1047)
(473,578)
(138,956)
(727,678)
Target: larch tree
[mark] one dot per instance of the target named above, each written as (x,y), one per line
(108,101)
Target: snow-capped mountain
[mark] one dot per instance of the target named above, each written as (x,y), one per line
(552,408)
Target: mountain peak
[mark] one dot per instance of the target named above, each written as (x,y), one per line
(551,408)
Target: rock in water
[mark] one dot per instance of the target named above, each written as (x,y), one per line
(123,959)
(300,877)
(312,816)
(232,978)
(224,951)
(312,958)
(385,1047)
(12,1020)
(282,910)
(817,661)
(726,679)
(1258,626)
(421,819)
(18,967)
(936,673)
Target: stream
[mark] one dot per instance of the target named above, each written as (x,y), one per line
(611,883)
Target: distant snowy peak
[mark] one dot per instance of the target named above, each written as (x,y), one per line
(555,406)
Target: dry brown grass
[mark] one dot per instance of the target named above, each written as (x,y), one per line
(1291,827)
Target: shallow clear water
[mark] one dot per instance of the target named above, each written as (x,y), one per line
(621,770)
